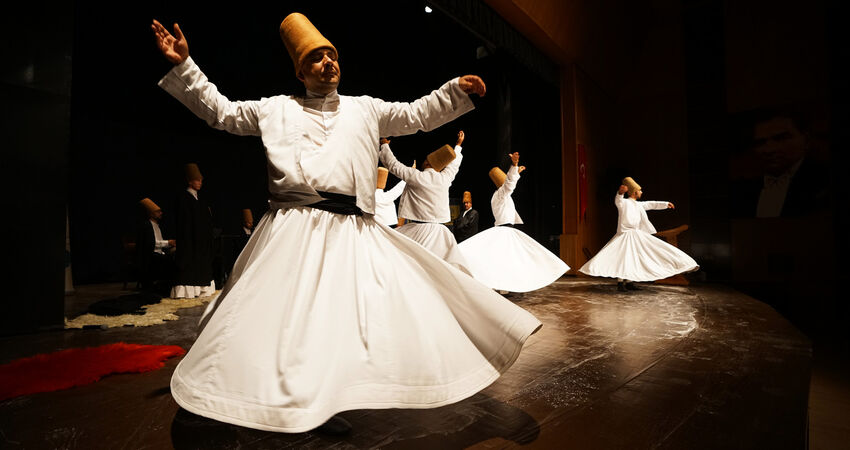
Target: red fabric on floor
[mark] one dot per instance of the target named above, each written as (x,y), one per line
(80,366)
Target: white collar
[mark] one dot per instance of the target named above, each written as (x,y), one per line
(332,96)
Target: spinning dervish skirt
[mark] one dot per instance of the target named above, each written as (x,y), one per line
(437,238)
(507,259)
(325,313)
(638,256)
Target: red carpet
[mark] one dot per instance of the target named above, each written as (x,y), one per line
(80,366)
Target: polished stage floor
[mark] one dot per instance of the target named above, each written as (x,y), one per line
(699,366)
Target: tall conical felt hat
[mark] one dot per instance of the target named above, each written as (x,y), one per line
(300,38)
(193,172)
(441,157)
(467,196)
(631,184)
(498,176)
(149,205)
(247,216)
(382,177)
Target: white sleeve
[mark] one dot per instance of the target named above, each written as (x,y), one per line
(190,86)
(408,174)
(619,199)
(425,114)
(511,179)
(396,191)
(653,205)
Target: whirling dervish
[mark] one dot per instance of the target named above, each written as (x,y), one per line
(634,254)
(503,257)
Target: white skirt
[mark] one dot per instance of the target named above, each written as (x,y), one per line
(507,259)
(325,313)
(636,255)
(437,238)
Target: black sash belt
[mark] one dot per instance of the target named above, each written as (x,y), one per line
(506,225)
(338,203)
(417,221)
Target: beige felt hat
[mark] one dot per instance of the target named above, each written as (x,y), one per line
(149,205)
(467,197)
(441,157)
(383,173)
(498,176)
(193,172)
(300,38)
(631,184)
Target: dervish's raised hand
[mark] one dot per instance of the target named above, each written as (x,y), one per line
(473,84)
(520,169)
(460,137)
(514,158)
(623,189)
(174,48)
(671,206)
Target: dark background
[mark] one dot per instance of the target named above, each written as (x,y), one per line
(90,130)
(662,91)
(123,122)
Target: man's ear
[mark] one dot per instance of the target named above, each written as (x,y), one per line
(300,76)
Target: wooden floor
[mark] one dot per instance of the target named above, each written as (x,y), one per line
(665,367)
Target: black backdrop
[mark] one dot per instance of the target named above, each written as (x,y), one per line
(129,139)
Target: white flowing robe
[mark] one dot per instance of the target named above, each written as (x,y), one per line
(505,258)
(634,253)
(327,312)
(426,199)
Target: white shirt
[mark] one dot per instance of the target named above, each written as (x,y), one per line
(322,166)
(504,210)
(158,242)
(193,192)
(426,196)
(632,214)
(385,204)
(298,131)
(773,192)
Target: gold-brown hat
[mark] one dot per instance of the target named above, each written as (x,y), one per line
(383,173)
(247,216)
(149,205)
(498,176)
(467,197)
(193,172)
(631,184)
(301,37)
(441,157)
